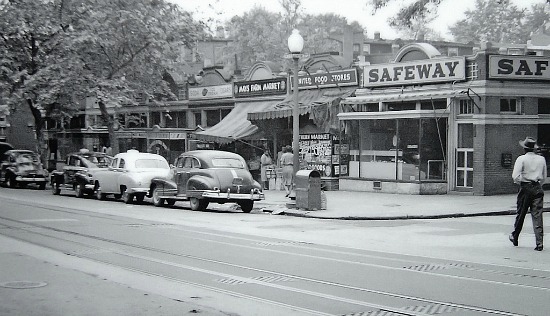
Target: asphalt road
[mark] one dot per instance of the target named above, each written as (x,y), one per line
(61,255)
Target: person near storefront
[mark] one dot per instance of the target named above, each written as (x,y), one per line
(529,172)
(266,162)
(287,160)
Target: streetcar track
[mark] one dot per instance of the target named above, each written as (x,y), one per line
(398,311)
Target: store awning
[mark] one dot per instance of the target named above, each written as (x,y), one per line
(235,125)
(403,96)
(307,100)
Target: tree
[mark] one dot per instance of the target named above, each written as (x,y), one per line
(126,46)
(500,23)
(37,68)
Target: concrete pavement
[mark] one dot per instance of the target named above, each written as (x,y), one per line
(350,205)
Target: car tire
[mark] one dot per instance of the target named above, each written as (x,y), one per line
(79,190)
(198,204)
(98,194)
(10,181)
(246,206)
(42,186)
(140,198)
(127,197)
(56,190)
(157,200)
(170,202)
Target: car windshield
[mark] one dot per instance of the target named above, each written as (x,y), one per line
(98,161)
(26,158)
(227,163)
(151,163)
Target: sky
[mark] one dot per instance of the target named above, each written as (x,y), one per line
(450,11)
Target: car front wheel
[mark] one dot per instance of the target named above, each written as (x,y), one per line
(127,197)
(98,194)
(56,190)
(157,200)
(198,204)
(79,190)
(10,181)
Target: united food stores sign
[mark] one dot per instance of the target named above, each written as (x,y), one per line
(333,78)
(256,88)
(415,72)
(519,67)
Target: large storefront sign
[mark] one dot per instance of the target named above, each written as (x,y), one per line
(255,88)
(333,78)
(415,72)
(211,92)
(519,67)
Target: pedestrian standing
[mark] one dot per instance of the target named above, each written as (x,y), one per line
(266,162)
(529,172)
(287,160)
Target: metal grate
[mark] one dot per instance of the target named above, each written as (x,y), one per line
(266,279)
(435,267)
(434,309)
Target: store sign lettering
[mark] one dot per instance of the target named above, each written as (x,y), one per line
(519,67)
(211,92)
(260,87)
(415,72)
(333,78)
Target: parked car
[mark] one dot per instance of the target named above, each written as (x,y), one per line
(78,172)
(204,176)
(129,175)
(20,167)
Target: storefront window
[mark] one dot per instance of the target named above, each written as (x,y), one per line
(397,149)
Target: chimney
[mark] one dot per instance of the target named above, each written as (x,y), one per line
(377,35)
(220,32)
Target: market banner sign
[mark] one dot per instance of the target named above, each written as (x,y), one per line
(256,88)
(333,78)
(211,92)
(415,72)
(519,67)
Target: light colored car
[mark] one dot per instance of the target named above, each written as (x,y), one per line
(204,176)
(129,175)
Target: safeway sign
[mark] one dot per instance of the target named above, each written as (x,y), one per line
(519,67)
(415,72)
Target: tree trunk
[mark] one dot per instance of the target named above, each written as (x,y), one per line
(39,131)
(111,122)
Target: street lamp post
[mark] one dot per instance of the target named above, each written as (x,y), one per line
(295,46)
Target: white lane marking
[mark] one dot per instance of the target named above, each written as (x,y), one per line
(46,220)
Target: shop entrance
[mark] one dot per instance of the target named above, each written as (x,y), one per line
(465,157)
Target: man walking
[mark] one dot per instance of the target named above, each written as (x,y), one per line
(529,172)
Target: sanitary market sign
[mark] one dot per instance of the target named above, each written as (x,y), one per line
(415,72)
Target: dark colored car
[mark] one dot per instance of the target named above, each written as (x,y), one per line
(78,173)
(21,167)
(204,176)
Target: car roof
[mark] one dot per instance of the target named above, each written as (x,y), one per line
(22,151)
(209,154)
(134,154)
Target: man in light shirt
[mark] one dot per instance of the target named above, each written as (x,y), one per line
(529,172)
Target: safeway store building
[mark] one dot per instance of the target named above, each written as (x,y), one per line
(427,124)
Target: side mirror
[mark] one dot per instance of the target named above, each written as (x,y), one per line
(172,166)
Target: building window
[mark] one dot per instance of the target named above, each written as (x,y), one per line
(472,71)
(465,106)
(544,106)
(198,118)
(508,106)
(452,51)
(401,106)
(440,104)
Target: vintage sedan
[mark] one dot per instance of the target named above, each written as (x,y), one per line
(20,167)
(129,175)
(204,176)
(78,172)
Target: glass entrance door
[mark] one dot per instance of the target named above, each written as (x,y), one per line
(465,157)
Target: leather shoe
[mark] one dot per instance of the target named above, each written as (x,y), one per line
(538,248)
(513,240)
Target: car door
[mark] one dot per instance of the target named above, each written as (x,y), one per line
(74,165)
(182,173)
(109,177)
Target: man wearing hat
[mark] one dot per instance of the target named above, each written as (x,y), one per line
(530,173)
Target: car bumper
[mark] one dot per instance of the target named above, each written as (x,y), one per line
(30,179)
(217,195)
(138,190)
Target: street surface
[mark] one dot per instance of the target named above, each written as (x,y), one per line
(66,256)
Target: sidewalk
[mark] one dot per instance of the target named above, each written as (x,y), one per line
(348,205)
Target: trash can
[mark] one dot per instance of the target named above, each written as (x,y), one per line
(308,189)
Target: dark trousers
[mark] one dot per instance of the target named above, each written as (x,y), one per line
(530,196)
